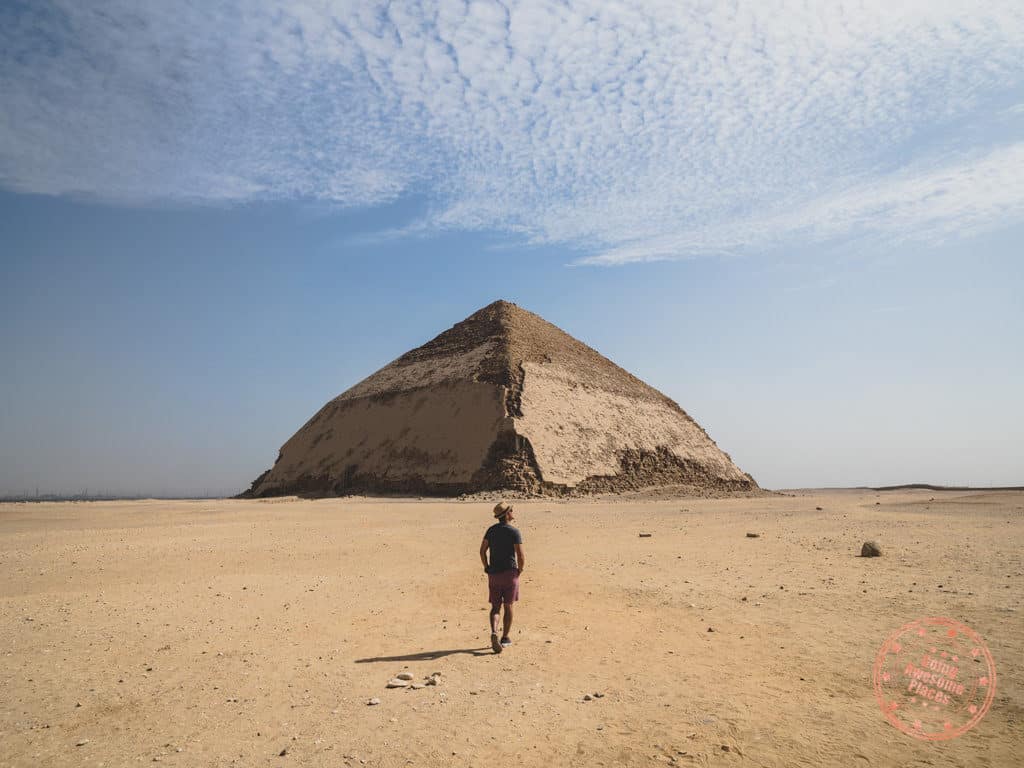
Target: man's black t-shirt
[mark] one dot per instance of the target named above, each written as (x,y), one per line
(502,538)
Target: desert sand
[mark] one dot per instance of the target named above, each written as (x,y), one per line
(248,633)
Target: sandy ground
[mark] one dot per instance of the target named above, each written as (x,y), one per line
(217,633)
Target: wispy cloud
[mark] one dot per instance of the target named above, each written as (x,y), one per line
(919,202)
(633,130)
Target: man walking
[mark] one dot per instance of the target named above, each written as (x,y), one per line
(507,561)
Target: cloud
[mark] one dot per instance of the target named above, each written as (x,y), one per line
(920,202)
(632,131)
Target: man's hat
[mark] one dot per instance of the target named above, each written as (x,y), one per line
(502,508)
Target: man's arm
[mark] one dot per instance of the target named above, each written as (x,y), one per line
(483,552)
(520,557)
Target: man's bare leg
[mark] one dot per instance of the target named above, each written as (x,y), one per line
(495,613)
(507,623)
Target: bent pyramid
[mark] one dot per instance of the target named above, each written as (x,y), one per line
(504,401)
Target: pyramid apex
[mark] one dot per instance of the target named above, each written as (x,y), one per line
(500,305)
(498,317)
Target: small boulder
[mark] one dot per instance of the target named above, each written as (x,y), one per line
(396,683)
(404,676)
(870,549)
(753,535)
(646,535)
(373,702)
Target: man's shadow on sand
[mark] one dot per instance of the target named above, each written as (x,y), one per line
(429,655)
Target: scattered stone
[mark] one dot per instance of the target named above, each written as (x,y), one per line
(373,702)
(870,549)
(711,629)
(396,683)
(418,686)
(598,695)
(283,752)
(587,697)
(646,535)
(431,681)
(81,743)
(404,676)
(753,535)
(725,747)
(818,508)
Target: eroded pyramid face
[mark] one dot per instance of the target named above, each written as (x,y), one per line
(501,401)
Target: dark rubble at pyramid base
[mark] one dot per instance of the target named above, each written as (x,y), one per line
(516,476)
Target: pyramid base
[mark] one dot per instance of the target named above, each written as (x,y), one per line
(511,468)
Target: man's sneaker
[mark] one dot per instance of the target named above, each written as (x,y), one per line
(506,641)
(494,642)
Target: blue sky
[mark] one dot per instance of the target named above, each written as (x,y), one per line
(801,221)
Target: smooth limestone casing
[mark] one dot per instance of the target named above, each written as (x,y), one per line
(579,432)
(439,435)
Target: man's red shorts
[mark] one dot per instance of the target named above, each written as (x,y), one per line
(503,587)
